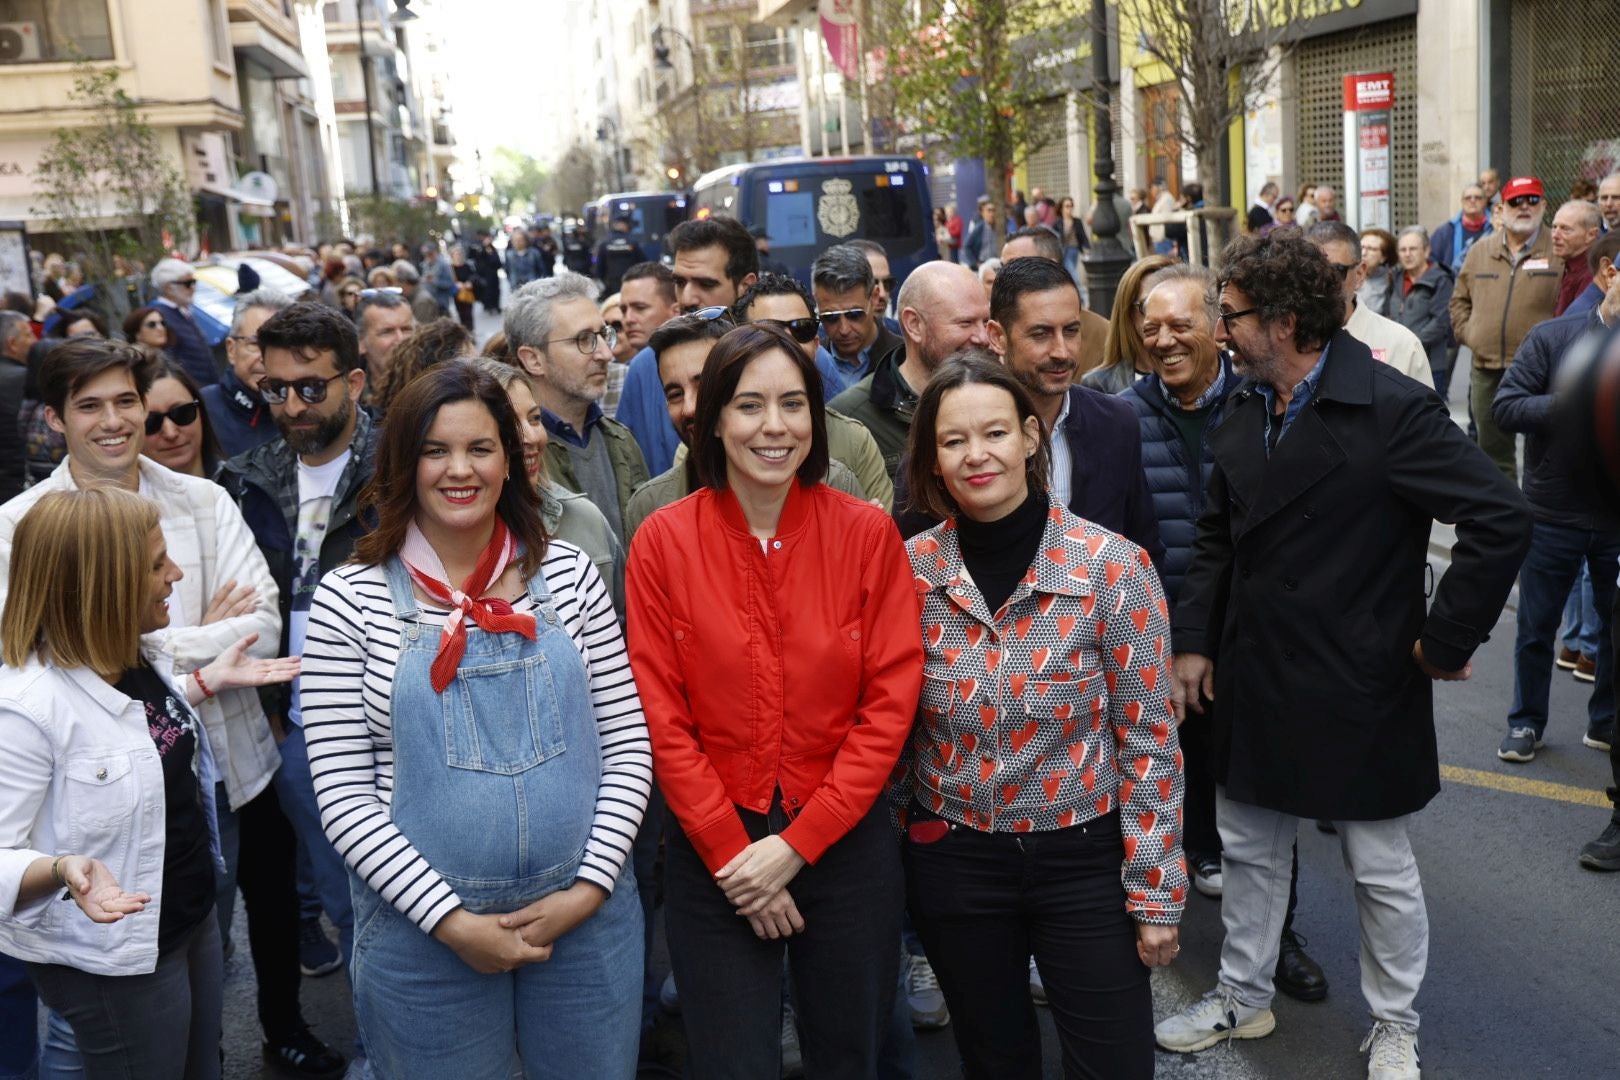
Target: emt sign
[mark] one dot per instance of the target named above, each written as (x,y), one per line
(1369,102)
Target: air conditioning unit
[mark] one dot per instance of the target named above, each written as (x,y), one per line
(19,42)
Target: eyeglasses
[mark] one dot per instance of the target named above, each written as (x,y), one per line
(188,283)
(181,415)
(311,391)
(617,326)
(830,319)
(1473,198)
(1226,317)
(367,294)
(1524,200)
(1285,208)
(803,330)
(247,340)
(585,341)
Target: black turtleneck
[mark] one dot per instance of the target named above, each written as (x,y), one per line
(998,553)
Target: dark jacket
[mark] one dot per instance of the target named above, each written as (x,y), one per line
(1425,310)
(614,256)
(238,417)
(883,402)
(486,264)
(1307,589)
(187,346)
(1175,482)
(1451,242)
(1106,484)
(264,483)
(13,455)
(1526,402)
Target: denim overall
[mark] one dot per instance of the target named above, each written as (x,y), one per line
(495,784)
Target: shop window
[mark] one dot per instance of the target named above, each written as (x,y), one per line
(46,31)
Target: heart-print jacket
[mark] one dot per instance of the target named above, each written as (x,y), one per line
(1056,709)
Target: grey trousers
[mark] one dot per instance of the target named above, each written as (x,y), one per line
(161,1026)
(1255,860)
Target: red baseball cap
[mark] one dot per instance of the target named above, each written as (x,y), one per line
(1521,185)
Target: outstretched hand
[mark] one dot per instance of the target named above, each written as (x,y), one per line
(234,669)
(97,892)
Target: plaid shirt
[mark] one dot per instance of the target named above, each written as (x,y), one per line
(1055,709)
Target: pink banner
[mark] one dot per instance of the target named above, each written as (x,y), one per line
(842,35)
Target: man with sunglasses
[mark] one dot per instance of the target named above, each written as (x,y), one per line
(95,396)
(238,415)
(176,285)
(1508,283)
(299,494)
(555,332)
(845,289)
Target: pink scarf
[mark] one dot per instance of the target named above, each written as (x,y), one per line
(488,612)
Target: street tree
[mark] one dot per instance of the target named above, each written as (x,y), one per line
(517,178)
(384,219)
(958,74)
(110,188)
(1223,56)
(573,179)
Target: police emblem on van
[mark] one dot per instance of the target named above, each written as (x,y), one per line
(837,211)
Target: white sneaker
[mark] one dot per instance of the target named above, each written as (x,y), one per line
(1207,875)
(1215,1017)
(1394,1052)
(923,995)
(1037,989)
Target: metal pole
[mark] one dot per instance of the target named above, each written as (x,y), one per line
(365,82)
(1107,260)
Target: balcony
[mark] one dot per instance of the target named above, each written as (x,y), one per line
(268,14)
(784,12)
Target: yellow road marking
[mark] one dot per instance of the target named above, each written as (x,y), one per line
(1541,789)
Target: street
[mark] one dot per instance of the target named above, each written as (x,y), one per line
(1523,950)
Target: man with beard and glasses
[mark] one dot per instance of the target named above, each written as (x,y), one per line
(300,494)
(95,395)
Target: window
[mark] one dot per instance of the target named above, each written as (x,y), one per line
(718,39)
(218,36)
(41,31)
(767,46)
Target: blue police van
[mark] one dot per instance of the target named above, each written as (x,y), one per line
(652,214)
(806,205)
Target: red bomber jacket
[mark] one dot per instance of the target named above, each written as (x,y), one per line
(795,666)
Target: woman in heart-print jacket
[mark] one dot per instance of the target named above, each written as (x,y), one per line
(1043,786)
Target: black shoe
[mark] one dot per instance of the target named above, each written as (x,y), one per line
(1324,825)
(1604,852)
(1298,975)
(300,1053)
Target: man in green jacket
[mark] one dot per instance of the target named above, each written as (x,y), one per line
(556,333)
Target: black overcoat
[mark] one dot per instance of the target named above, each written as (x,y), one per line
(1308,581)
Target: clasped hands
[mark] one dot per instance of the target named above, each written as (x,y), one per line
(490,944)
(755,881)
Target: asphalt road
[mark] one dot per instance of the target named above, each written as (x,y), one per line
(1524,955)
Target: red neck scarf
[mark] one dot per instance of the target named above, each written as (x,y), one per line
(468,602)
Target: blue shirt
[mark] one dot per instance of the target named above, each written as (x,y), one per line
(641,409)
(558,428)
(845,373)
(1304,390)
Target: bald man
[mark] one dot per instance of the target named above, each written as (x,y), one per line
(942,308)
(1575,228)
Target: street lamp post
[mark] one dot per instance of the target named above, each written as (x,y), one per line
(1107,259)
(365,82)
(662,61)
(603,127)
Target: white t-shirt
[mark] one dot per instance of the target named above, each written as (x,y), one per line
(316,486)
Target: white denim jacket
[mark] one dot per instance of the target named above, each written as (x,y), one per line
(80,775)
(209,540)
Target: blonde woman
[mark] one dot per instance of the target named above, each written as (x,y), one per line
(101,802)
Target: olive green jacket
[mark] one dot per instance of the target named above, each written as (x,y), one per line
(629,467)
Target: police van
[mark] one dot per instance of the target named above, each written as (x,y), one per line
(807,205)
(652,214)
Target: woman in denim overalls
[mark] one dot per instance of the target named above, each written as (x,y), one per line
(479,762)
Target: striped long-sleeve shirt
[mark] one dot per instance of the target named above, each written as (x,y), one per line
(348,670)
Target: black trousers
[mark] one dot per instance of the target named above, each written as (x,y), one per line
(844,966)
(267,877)
(983,903)
(1199,834)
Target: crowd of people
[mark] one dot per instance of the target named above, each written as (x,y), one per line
(915,645)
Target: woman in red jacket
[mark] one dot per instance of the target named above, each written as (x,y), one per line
(1045,788)
(773,636)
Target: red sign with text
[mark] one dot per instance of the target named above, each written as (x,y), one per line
(1369,103)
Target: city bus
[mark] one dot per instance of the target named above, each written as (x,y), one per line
(806,205)
(652,214)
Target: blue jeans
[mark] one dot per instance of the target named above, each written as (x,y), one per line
(296,790)
(19,1024)
(165,1025)
(495,787)
(1581,617)
(1549,572)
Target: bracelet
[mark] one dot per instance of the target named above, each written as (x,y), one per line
(207,693)
(56,871)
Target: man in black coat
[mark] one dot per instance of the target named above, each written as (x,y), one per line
(486,264)
(1303,614)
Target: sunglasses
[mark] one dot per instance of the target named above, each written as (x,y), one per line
(189,283)
(1524,200)
(830,319)
(367,294)
(152,324)
(617,326)
(1344,271)
(889,283)
(803,330)
(180,415)
(311,391)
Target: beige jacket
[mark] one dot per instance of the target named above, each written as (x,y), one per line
(1391,343)
(211,544)
(1495,302)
